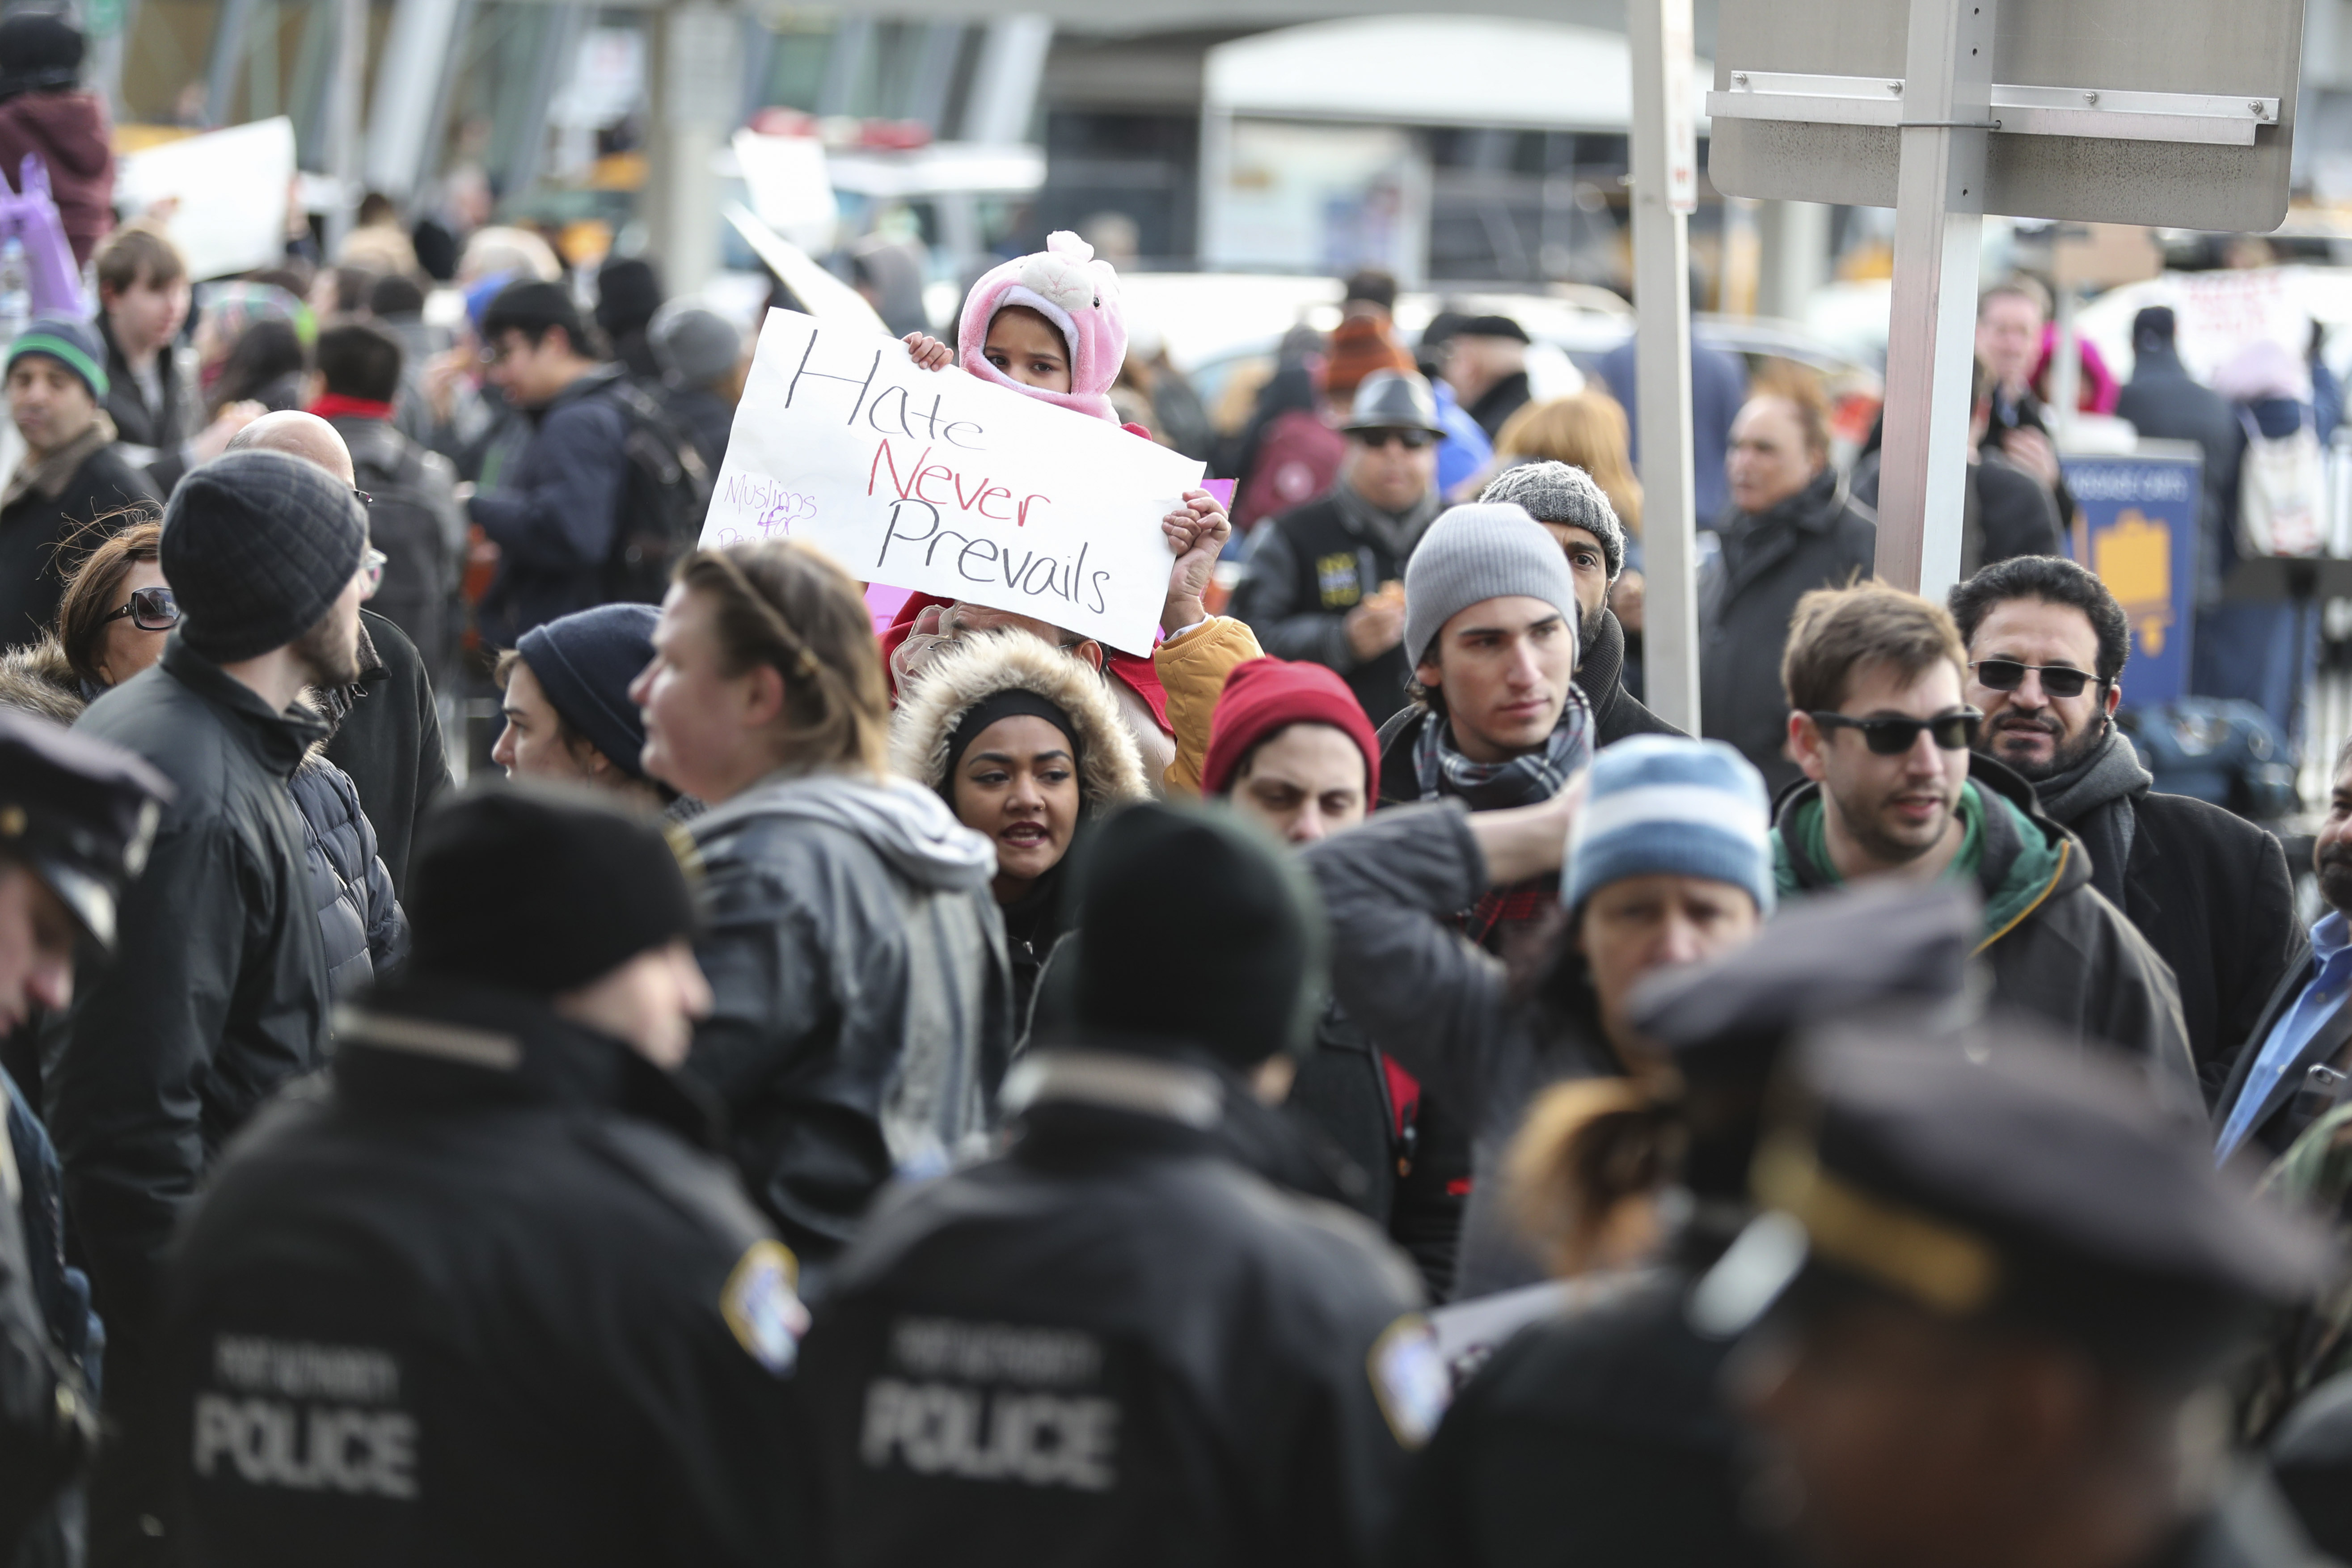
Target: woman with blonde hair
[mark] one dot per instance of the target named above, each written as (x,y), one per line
(862,1006)
(1586,431)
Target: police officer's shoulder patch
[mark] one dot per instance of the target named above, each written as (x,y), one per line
(1408,1379)
(761,1304)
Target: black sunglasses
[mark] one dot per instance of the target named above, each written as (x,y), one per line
(1412,440)
(1893,737)
(2008,675)
(149,609)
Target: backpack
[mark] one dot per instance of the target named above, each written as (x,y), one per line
(666,498)
(2222,751)
(2281,492)
(414,519)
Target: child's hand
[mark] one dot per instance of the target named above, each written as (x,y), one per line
(929,353)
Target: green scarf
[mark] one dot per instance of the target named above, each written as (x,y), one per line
(2027,880)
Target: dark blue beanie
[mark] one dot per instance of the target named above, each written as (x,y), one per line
(584,663)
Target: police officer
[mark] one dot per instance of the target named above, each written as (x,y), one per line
(76,818)
(1598,1434)
(2003,1291)
(484,1295)
(1112,1343)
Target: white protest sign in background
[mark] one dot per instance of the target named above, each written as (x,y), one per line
(230,188)
(944,484)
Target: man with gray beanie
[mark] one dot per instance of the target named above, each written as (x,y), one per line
(217,991)
(1111,1342)
(699,352)
(1574,512)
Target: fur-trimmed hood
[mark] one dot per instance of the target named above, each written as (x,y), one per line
(35,678)
(983,665)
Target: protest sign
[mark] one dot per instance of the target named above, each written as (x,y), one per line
(938,482)
(228,192)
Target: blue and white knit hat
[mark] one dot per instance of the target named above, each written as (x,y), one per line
(1661,806)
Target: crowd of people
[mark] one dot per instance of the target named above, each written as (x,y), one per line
(1351,1085)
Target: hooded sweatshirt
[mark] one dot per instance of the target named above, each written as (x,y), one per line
(862,1010)
(2054,946)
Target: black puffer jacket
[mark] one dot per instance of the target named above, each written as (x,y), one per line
(1209,1367)
(217,995)
(1748,588)
(863,1011)
(1439,1005)
(360,918)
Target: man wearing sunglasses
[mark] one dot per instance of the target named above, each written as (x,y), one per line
(1880,724)
(2209,890)
(1321,584)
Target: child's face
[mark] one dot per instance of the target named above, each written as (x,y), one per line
(1027,347)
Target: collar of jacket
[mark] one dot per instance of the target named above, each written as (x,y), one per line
(1812,509)
(2027,859)
(1601,670)
(1399,733)
(588,383)
(1139,1085)
(51,474)
(431,1042)
(278,740)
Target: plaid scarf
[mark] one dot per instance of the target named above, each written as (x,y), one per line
(1440,770)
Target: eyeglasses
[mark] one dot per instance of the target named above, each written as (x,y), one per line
(373,564)
(2008,675)
(1893,737)
(149,609)
(363,498)
(1411,440)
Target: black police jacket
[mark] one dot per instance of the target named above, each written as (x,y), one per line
(475,1297)
(1112,1344)
(1596,1436)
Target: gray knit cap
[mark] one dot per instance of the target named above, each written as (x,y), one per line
(1472,553)
(694,344)
(1565,494)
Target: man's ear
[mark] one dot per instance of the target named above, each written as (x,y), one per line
(1807,746)
(2115,695)
(1430,674)
(1089,651)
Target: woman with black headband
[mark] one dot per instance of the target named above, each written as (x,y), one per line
(1025,745)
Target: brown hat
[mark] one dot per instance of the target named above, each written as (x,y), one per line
(1360,346)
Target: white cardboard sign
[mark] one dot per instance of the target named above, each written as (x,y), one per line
(936,481)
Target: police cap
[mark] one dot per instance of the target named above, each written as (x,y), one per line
(2007,1177)
(81,812)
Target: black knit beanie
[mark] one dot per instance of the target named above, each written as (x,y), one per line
(38,50)
(540,887)
(1195,932)
(258,546)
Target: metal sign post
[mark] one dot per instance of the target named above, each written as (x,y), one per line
(1931,334)
(2175,112)
(1665,191)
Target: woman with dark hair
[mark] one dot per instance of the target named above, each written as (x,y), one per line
(863,1008)
(1024,743)
(112,624)
(265,366)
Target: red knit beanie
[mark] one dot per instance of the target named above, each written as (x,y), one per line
(1264,695)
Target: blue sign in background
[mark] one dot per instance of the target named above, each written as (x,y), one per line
(2138,529)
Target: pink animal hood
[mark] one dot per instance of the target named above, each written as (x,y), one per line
(1065,284)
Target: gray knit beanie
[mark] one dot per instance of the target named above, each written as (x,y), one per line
(693,344)
(257,545)
(1472,553)
(1565,494)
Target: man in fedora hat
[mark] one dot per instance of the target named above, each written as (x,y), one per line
(1325,580)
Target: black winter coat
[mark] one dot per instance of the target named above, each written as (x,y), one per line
(1600,671)
(1440,1005)
(360,919)
(217,995)
(1599,1434)
(2164,402)
(161,429)
(491,1255)
(2006,512)
(47,1424)
(2211,892)
(1748,589)
(555,516)
(1112,1344)
(863,1004)
(36,527)
(390,741)
(1308,568)
(414,519)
